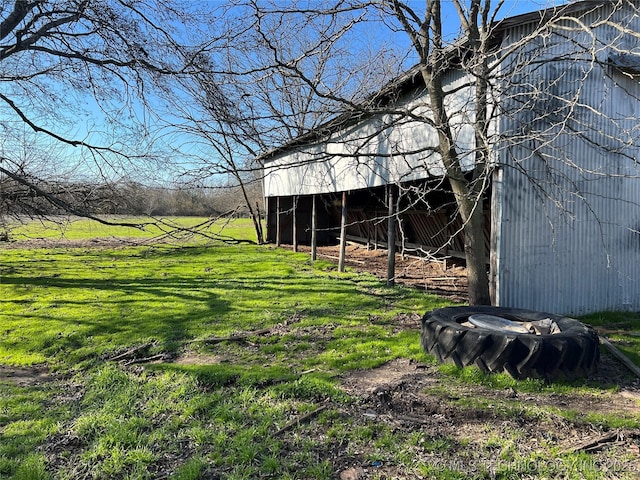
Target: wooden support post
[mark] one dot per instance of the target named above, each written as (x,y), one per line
(391,236)
(375,238)
(294,227)
(314,229)
(278,236)
(343,233)
(267,219)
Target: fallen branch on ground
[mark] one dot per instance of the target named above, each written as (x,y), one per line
(235,338)
(159,356)
(593,444)
(300,420)
(130,353)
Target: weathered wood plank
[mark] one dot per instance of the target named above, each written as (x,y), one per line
(620,356)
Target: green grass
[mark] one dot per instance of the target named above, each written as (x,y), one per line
(72,306)
(75,308)
(622,329)
(74,228)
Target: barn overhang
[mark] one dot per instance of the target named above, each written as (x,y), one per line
(390,147)
(563,206)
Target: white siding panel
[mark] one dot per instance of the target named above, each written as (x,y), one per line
(388,148)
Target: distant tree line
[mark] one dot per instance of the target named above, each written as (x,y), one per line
(46,198)
(136,199)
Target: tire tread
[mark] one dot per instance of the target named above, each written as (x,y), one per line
(570,354)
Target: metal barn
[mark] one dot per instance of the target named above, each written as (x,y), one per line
(562,210)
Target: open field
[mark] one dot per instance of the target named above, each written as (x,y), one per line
(129,354)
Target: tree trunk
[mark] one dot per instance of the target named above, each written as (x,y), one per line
(253,213)
(476,257)
(468,199)
(471,211)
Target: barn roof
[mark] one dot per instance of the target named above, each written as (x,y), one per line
(411,80)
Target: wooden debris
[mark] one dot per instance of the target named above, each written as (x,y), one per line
(620,356)
(131,352)
(159,356)
(594,444)
(300,420)
(241,337)
(130,357)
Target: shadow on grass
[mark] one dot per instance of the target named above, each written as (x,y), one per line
(179,295)
(280,380)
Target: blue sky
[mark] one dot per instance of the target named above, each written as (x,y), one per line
(88,123)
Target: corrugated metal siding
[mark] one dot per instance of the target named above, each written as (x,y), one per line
(569,241)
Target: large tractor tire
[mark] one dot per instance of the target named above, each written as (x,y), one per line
(571,353)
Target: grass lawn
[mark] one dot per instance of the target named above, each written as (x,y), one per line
(209,360)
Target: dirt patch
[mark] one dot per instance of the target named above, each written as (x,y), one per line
(474,429)
(444,277)
(402,379)
(25,376)
(199,359)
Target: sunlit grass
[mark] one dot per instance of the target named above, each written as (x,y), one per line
(621,328)
(70,306)
(27,419)
(75,308)
(74,228)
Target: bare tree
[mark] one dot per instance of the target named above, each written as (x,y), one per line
(224,137)
(77,76)
(426,31)
(433,59)
(250,90)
